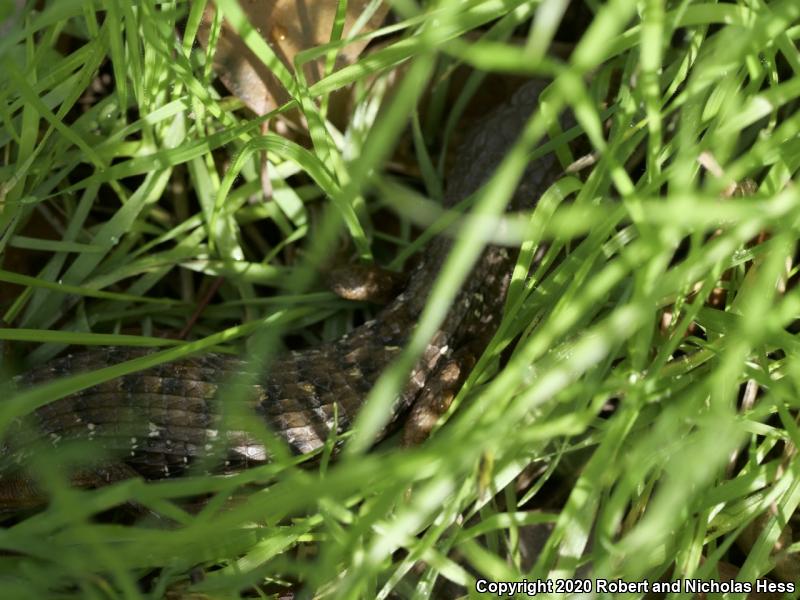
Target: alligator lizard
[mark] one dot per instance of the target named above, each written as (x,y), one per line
(159,421)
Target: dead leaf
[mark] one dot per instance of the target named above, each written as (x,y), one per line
(288,26)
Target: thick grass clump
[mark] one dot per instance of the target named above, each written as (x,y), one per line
(636,408)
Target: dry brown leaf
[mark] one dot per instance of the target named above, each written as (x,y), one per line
(288,26)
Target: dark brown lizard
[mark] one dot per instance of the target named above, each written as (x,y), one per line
(158,422)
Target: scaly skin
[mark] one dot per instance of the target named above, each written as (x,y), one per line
(157,422)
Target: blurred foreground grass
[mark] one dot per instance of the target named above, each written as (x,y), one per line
(644,405)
